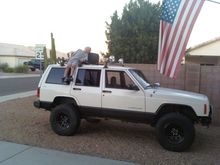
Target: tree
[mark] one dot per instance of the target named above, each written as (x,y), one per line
(46,60)
(53,57)
(134,35)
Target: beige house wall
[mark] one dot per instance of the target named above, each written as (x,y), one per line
(9,60)
(13,61)
(21,60)
(15,55)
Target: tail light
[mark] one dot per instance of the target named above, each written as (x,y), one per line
(38,92)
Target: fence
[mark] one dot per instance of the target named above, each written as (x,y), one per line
(191,77)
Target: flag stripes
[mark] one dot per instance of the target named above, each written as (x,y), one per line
(174,36)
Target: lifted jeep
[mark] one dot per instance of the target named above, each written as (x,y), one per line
(121,93)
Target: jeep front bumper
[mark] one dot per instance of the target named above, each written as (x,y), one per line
(205,121)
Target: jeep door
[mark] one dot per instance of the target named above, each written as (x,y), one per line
(121,93)
(86,88)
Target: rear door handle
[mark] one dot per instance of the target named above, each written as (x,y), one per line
(105,91)
(77,89)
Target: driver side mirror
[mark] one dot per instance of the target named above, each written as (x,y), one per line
(156,84)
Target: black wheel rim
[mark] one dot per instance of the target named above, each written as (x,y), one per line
(174,133)
(63,121)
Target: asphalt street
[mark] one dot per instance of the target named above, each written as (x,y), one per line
(10,86)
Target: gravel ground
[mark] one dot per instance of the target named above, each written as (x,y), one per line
(20,122)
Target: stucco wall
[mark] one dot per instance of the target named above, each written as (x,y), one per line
(208,60)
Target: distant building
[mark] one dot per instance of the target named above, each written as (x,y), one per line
(15,55)
(207,53)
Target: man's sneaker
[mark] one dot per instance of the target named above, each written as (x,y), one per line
(70,78)
(65,80)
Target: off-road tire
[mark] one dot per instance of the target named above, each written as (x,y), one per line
(32,69)
(175,132)
(65,120)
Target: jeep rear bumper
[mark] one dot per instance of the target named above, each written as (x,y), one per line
(42,104)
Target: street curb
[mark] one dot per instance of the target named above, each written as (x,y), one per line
(17,96)
(20,154)
(18,76)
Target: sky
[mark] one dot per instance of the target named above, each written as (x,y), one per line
(79,23)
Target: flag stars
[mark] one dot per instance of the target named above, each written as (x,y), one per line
(169,10)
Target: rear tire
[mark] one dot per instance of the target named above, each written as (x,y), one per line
(65,120)
(175,132)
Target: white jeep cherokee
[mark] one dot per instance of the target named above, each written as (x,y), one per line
(121,93)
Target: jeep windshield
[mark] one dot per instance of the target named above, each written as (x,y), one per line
(139,76)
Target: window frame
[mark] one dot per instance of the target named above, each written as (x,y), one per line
(122,80)
(55,82)
(98,75)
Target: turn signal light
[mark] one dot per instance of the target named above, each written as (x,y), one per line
(205,109)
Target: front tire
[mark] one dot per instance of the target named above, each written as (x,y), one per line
(175,132)
(33,69)
(65,120)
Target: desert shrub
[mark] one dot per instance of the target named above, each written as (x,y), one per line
(18,69)
(21,69)
(8,70)
(3,67)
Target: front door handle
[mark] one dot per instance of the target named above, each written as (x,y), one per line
(106,91)
(77,89)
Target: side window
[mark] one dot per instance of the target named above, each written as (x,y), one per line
(118,79)
(112,79)
(55,76)
(88,77)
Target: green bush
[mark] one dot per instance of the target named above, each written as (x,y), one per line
(3,67)
(18,69)
(8,70)
(21,69)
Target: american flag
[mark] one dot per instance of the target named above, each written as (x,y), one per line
(177,20)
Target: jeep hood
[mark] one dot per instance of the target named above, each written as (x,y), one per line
(174,94)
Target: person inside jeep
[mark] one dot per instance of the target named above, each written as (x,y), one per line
(78,57)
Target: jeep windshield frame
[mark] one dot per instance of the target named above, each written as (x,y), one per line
(139,76)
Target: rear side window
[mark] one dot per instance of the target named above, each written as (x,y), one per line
(88,77)
(55,76)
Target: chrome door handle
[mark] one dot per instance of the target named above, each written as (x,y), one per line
(77,89)
(106,91)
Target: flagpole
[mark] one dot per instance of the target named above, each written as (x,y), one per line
(206,0)
(213,1)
